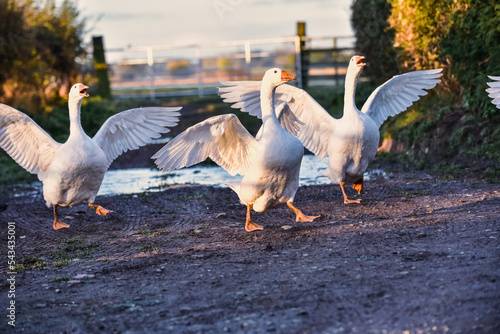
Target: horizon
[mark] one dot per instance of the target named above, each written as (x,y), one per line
(137,25)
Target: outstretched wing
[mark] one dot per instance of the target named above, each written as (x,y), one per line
(133,128)
(26,142)
(289,121)
(220,138)
(494,90)
(398,93)
(318,124)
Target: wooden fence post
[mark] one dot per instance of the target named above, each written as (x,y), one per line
(303,67)
(101,69)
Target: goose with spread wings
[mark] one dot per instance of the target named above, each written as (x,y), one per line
(72,172)
(269,162)
(350,142)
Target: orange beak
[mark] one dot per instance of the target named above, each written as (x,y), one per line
(285,76)
(83,90)
(359,61)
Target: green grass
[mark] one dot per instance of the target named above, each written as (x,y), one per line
(158,233)
(142,232)
(72,240)
(146,247)
(161,212)
(71,252)
(57,279)
(30,260)
(62,263)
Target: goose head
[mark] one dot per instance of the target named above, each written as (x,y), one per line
(356,64)
(276,76)
(78,92)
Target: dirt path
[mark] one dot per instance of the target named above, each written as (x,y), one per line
(419,255)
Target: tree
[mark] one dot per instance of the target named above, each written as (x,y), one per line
(44,43)
(11,37)
(375,39)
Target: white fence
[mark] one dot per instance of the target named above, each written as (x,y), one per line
(196,69)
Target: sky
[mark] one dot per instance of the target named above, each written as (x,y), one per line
(174,22)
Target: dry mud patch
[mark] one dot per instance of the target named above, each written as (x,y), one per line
(419,255)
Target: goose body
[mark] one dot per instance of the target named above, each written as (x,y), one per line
(352,147)
(72,172)
(273,173)
(350,142)
(269,162)
(75,173)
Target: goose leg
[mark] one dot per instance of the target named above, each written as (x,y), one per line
(300,216)
(99,209)
(358,185)
(57,223)
(346,199)
(249,225)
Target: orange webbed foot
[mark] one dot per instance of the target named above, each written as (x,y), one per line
(251,226)
(59,224)
(358,184)
(99,209)
(302,218)
(352,201)
(102,211)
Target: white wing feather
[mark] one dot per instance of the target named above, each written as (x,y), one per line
(494,90)
(289,121)
(398,93)
(220,138)
(317,122)
(133,128)
(26,142)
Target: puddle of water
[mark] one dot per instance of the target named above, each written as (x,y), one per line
(138,180)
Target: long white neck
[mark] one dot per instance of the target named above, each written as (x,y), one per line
(75,127)
(267,93)
(351,80)
(269,120)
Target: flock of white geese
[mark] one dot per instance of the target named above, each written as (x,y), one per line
(72,172)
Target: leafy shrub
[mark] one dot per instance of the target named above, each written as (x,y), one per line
(472,45)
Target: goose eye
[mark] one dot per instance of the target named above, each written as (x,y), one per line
(275,71)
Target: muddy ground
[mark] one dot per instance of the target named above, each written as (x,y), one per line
(419,255)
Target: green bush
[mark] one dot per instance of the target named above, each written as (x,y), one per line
(472,45)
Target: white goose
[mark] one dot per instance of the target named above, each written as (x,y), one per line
(494,90)
(350,142)
(72,172)
(270,162)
